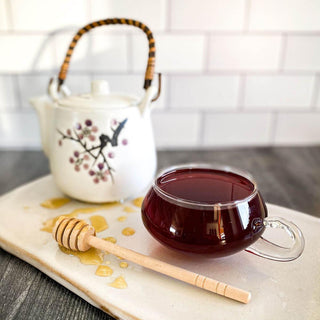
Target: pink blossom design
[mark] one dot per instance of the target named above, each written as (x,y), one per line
(94,158)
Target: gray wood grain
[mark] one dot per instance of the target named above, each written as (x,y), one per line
(288,177)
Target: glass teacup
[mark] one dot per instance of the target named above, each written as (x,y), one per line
(214,210)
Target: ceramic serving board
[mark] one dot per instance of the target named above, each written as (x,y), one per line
(279,290)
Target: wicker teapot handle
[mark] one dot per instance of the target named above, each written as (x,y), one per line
(151,57)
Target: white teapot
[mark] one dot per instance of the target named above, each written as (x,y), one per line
(100,145)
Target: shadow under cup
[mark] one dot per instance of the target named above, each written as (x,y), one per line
(213,210)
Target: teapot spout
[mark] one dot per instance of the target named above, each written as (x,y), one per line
(43,106)
(147,99)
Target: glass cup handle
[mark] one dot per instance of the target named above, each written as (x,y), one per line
(269,250)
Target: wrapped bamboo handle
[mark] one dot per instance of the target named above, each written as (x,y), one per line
(151,56)
(77,235)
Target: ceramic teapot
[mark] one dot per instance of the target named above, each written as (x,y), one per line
(100,145)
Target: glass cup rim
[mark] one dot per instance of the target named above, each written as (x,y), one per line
(198,204)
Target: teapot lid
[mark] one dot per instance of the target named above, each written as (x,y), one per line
(99,97)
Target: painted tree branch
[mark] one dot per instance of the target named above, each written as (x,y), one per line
(104,141)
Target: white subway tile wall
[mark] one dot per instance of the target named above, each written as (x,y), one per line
(23,53)
(298,128)
(19,130)
(172,129)
(35,15)
(205,91)
(284,15)
(152,13)
(8,97)
(235,72)
(244,52)
(207,14)
(278,91)
(175,52)
(96,51)
(303,53)
(243,129)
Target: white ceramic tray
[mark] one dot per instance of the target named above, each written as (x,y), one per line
(279,290)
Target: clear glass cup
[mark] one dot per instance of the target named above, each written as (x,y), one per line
(215,228)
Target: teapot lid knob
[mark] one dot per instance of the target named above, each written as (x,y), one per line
(100,87)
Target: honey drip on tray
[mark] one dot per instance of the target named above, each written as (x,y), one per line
(104,271)
(128,209)
(49,224)
(138,202)
(55,203)
(119,283)
(92,256)
(110,239)
(122,218)
(128,231)
(99,223)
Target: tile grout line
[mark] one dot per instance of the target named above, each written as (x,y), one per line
(10,16)
(206,54)
(222,110)
(168,22)
(246,16)
(201,129)
(167,100)
(89,8)
(282,52)
(315,92)
(55,53)
(241,92)
(17,93)
(179,32)
(129,52)
(273,129)
(230,72)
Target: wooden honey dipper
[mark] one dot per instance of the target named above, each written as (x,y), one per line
(77,235)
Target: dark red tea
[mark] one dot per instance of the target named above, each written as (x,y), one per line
(205,185)
(204,210)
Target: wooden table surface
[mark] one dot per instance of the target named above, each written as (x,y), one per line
(287,177)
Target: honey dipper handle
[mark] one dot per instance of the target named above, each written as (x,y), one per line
(172,271)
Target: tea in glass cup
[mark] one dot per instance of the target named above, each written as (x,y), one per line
(214,210)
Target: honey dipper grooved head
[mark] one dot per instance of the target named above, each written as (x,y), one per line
(72,233)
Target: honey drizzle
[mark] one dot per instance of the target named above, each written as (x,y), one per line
(128,231)
(49,224)
(99,223)
(128,209)
(138,202)
(110,239)
(92,256)
(104,271)
(55,203)
(119,283)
